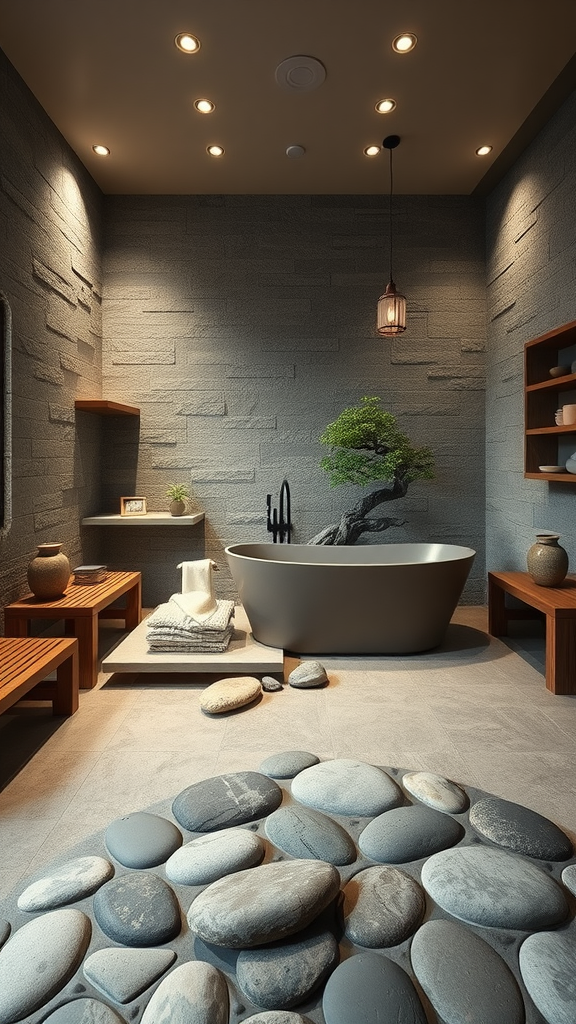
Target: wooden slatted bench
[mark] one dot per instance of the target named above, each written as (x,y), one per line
(558,604)
(80,607)
(24,665)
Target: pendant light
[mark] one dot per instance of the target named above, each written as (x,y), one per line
(391,305)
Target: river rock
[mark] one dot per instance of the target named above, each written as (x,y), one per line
(408,833)
(138,909)
(122,974)
(494,889)
(249,908)
(309,834)
(286,973)
(72,881)
(226,800)
(346,786)
(275,1017)
(436,791)
(370,988)
(464,977)
(84,1011)
(569,878)
(39,959)
(142,840)
(519,829)
(5,928)
(214,855)
(307,675)
(547,968)
(382,907)
(287,764)
(230,693)
(271,685)
(194,993)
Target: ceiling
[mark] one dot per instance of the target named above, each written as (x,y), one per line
(107,71)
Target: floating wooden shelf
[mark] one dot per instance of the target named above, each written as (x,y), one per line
(150,519)
(104,408)
(542,398)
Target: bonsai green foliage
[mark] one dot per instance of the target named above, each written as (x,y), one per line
(177,492)
(368,446)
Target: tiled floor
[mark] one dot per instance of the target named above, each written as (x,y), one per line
(475,710)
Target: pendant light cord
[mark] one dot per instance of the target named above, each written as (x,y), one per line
(390,211)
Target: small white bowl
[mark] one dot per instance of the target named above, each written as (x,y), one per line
(551,469)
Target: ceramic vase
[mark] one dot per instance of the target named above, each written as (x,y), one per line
(547,560)
(177,507)
(49,572)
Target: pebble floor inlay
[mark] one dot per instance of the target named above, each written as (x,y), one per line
(127,954)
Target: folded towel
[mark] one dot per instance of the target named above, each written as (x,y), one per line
(171,640)
(171,615)
(197,584)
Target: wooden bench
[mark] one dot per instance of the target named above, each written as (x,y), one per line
(80,607)
(25,663)
(557,604)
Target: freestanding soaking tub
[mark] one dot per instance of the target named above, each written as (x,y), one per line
(373,599)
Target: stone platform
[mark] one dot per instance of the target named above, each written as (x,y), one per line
(244,654)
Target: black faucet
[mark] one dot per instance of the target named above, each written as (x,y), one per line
(279,525)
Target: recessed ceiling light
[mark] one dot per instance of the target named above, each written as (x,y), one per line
(483,150)
(371,150)
(405,42)
(204,106)
(385,106)
(101,150)
(187,43)
(216,150)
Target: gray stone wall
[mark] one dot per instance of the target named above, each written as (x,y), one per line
(242,325)
(531,256)
(50,273)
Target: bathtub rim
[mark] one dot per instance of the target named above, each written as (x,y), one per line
(458,553)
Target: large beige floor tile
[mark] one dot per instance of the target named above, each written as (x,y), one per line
(45,786)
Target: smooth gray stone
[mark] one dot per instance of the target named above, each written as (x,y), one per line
(122,974)
(271,685)
(371,989)
(275,1017)
(287,973)
(436,791)
(138,909)
(226,800)
(382,907)
(265,904)
(72,881)
(287,764)
(519,829)
(464,978)
(547,968)
(307,675)
(39,959)
(84,1011)
(5,928)
(346,786)
(142,840)
(194,993)
(408,833)
(494,889)
(569,878)
(214,855)
(310,835)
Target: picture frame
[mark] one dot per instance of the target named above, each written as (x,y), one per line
(133,506)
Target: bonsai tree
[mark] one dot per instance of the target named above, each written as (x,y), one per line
(367,447)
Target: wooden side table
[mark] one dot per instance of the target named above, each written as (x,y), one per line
(80,607)
(25,662)
(558,604)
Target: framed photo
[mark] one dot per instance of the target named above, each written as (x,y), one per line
(132,506)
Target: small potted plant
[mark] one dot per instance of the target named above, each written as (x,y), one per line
(177,494)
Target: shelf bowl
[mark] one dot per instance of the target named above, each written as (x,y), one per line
(552,469)
(559,371)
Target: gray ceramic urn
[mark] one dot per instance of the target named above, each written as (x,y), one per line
(547,560)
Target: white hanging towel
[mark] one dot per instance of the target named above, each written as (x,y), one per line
(198,586)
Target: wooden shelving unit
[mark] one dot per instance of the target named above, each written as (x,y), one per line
(542,396)
(104,408)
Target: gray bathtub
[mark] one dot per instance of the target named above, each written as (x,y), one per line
(373,599)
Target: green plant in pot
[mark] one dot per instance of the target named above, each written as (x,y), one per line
(367,447)
(177,494)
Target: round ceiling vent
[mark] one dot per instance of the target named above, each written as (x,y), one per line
(295,152)
(300,74)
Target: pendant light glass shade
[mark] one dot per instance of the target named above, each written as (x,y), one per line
(391,316)
(391,311)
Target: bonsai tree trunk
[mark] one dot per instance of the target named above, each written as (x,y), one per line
(355,522)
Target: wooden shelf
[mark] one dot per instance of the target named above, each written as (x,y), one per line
(150,519)
(541,399)
(104,408)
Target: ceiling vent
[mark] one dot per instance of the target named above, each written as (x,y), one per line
(300,74)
